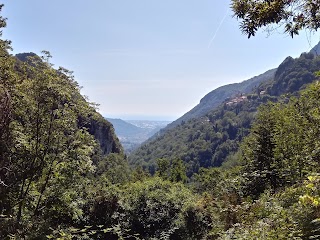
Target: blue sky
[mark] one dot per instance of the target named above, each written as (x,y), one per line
(147,59)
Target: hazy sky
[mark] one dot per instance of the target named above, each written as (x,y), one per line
(146,59)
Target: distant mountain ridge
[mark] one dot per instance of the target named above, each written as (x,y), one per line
(316,49)
(124,128)
(219,95)
(132,133)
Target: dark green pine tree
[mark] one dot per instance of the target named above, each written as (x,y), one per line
(260,169)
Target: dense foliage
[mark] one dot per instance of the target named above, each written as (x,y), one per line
(294,74)
(203,142)
(50,137)
(280,170)
(294,15)
(63,174)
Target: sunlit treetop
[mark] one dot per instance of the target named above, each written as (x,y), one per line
(293,15)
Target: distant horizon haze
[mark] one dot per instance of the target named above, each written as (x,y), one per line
(142,117)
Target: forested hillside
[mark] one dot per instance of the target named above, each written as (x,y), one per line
(213,99)
(63,174)
(210,140)
(52,143)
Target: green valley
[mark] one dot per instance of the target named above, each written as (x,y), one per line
(243,164)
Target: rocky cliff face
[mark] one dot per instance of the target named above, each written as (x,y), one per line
(104,133)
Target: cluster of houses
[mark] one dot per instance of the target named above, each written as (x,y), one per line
(236,100)
(240,98)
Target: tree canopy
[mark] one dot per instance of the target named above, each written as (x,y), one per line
(63,174)
(293,15)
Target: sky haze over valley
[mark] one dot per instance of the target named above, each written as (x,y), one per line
(147,59)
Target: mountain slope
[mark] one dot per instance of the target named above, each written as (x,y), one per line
(214,138)
(217,96)
(124,128)
(316,49)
